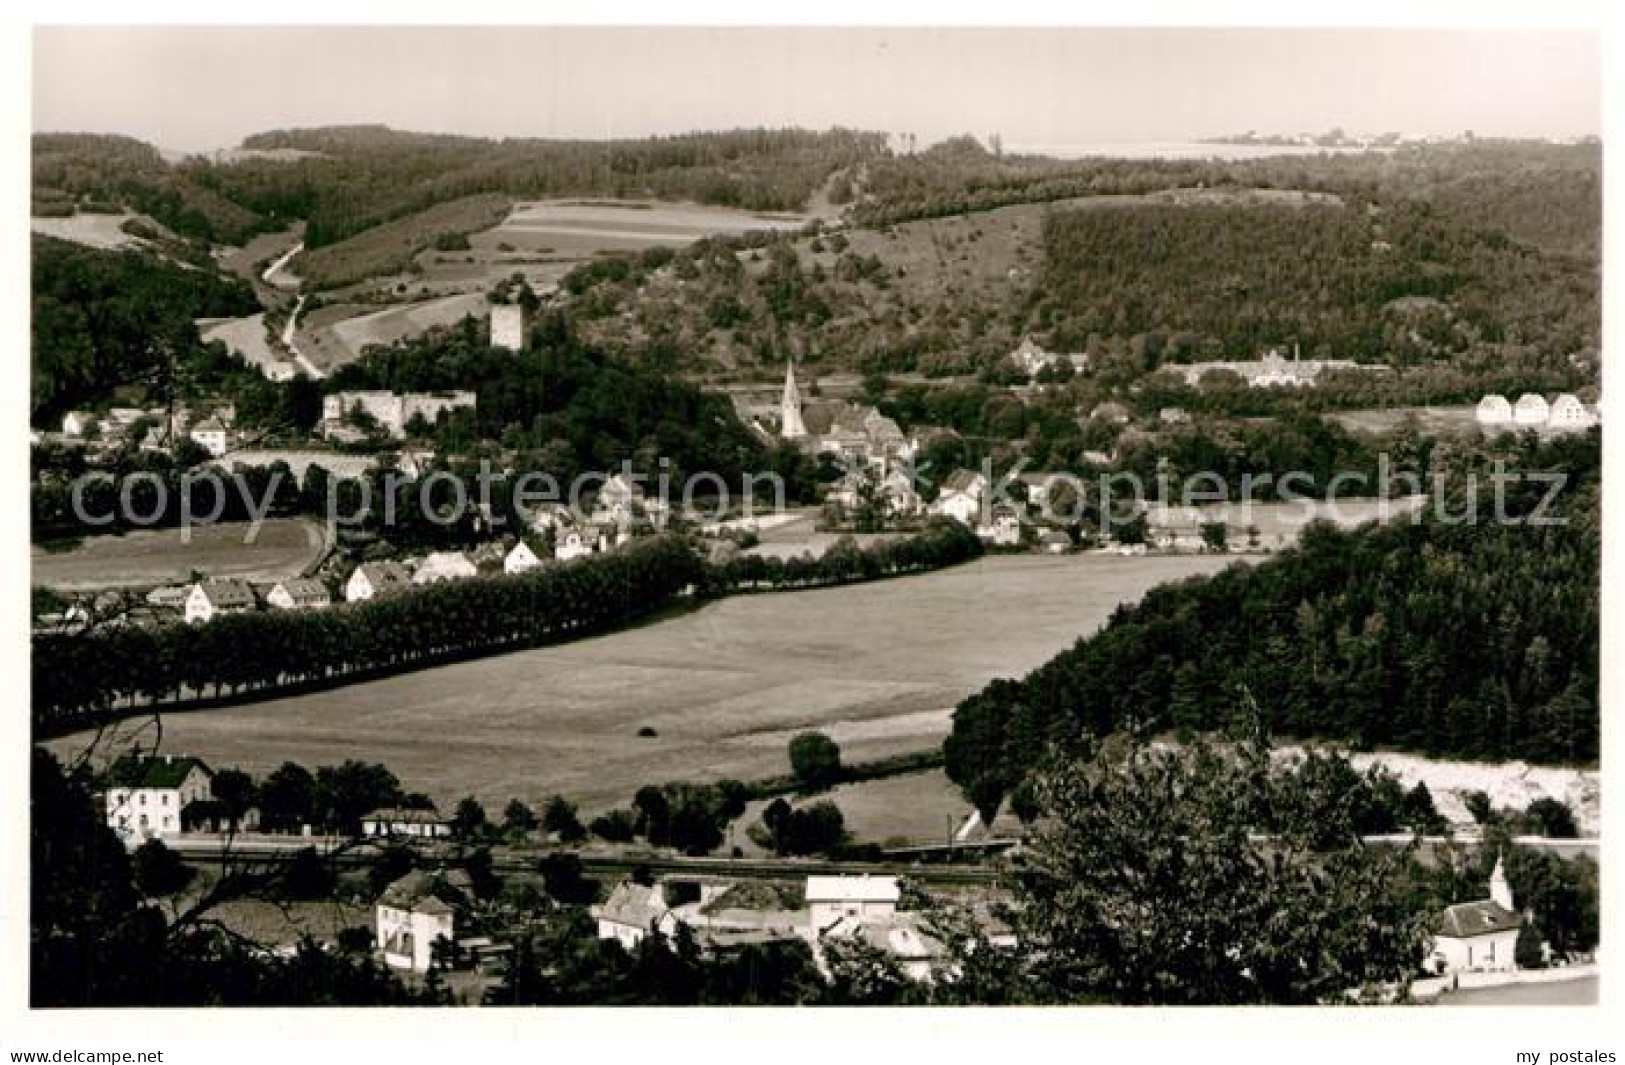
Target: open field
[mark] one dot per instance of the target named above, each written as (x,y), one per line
(159,556)
(876,665)
(389,248)
(336,342)
(546,239)
(247,340)
(104,231)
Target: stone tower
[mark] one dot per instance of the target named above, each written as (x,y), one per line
(791,426)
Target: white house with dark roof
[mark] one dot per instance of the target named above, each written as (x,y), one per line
(634,911)
(211,599)
(299,593)
(372,579)
(520,559)
(146,796)
(417,911)
(1480,936)
(413,824)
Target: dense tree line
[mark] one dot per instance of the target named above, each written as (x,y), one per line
(942,543)
(1469,640)
(80,676)
(105,318)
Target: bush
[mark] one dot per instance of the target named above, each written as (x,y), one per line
(159,870)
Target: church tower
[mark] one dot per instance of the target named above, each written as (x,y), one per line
(791,426)
(1500,890)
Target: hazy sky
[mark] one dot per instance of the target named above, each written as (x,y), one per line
(205,88)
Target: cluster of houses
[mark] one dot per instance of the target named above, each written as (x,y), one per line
(1031,359)
(214,431)
(726,915)
(1532,411)
(1274,370)
(392,412)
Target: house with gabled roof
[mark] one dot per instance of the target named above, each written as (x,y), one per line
(417,911)
(373,579)
(961,497)
(299,593)
(1482,935)
(211,599)
(520,559)
(146,796)
(634,911)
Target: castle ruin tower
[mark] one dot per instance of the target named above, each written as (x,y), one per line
(791,426)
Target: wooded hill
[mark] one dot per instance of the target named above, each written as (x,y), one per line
(1456,640)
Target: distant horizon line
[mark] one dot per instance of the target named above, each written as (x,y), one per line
(1023,147)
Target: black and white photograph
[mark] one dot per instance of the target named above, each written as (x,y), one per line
(535,515)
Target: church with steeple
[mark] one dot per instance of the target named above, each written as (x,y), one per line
(1480,936)
(791,427)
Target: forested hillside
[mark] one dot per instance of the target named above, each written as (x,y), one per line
(1463,640)
(103,318)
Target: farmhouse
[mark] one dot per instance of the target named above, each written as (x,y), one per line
(1479,936)
(520,559)
(445,566)
(961,497)
(299,593)
(147,796)
(417,911)
(417,824)
(372,579)
(210,599)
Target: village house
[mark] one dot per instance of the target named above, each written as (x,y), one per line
(412,824)
(445,566)
(1004,530)
(831,898)
(634,911)
(146,796)
(961,497)
(1480,936)
(299,593)
(210,599)
(520,559)
(915,951)
(1567,412)
(417,911)
(212,436)
(581,542)
(78,423)
(373,579)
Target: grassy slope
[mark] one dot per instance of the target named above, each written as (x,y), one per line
(389,248)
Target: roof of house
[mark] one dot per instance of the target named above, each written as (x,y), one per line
(383,574)
(426,891)
(447,562)
(224,594)
(154,771)
(898,935)
(863,888)
(305,590)
(634,905)
(1484,917)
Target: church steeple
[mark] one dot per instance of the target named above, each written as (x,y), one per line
(791,426)
(1500,890)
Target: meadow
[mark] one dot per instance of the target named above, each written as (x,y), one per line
(724,686)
